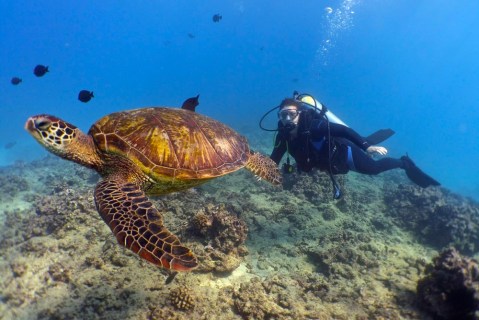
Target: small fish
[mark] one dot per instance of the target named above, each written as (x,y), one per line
(191,103)
(15,80)
(191,36)
(40,70)
(170,277)
(85,96)
(217,17)
(10,145)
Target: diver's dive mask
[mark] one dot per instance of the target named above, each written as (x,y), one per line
(288,118)
(288,114)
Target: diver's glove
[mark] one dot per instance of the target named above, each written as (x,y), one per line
(377,149)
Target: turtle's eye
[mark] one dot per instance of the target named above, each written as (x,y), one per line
(42,124)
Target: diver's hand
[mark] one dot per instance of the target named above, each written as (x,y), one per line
(377,149)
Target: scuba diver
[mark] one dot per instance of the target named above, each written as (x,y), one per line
(316,138)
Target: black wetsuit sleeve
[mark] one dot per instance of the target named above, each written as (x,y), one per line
(340,131)
(279,149)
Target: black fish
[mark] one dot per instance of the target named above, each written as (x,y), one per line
(191,36)
(217,17)
(40,70)
(191,103)
(85,95)
(10,145)
(15,80)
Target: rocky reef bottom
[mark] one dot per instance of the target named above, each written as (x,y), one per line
(265,252)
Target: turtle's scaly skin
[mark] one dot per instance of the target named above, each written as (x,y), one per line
(150,151)
(138,226)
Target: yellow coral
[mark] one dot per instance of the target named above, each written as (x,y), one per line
(181,299)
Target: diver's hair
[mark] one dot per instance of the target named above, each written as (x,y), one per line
(289,102)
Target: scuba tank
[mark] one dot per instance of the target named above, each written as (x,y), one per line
(310,102)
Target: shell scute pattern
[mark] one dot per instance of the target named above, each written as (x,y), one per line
(172,143)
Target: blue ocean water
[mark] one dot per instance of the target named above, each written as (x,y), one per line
(408,65)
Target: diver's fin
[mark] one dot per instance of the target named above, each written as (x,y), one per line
(417,175)
(379,136)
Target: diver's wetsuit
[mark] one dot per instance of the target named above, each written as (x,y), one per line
(312,148)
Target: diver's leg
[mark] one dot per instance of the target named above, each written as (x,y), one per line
(363,163)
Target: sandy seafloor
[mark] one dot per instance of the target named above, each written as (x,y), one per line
(306,256)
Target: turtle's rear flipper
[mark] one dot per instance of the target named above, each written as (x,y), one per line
(138,225)
(264,167)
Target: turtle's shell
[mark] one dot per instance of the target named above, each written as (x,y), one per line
(171,145)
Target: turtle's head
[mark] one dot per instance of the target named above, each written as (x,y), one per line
(63,139)
(53,133)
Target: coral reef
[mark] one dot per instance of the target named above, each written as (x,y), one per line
(437,216)
(182,299)
(66,207)
(265,252)
(224,235)
(450,287)
(223,230)
(315,186)
(59,272)
(348,251)
(255,300)
(11,184)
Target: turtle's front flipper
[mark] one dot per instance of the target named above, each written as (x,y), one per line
(264,167)
(138,225)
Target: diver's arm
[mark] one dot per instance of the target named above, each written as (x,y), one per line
(279,149)
(377,149)
(340,131)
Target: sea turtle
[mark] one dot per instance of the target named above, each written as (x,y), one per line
(150,151)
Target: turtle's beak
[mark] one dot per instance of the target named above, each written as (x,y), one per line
(31,127)
(39,127)
(30,124)
(41,123)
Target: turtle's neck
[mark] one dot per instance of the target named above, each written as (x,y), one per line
(86,153)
